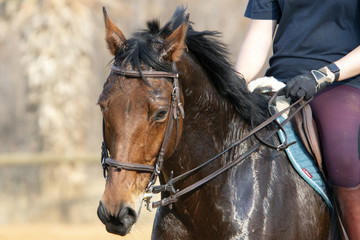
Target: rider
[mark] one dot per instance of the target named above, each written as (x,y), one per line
(316,51)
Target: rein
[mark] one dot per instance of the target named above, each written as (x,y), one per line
(173,198)
(178,111)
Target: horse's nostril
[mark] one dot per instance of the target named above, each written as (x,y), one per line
(127,216)
(119,224)
(103,213)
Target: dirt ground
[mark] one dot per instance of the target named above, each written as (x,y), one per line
(62,231)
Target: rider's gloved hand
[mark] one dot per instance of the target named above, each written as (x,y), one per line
(307,84)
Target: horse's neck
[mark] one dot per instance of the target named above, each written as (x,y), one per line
(211,122)
(211,125)
(207,110)
(251,190)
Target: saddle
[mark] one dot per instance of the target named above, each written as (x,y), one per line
(306,129)
(303,122)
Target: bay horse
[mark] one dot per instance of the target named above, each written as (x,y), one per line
(171,102)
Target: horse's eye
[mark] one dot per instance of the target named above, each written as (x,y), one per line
(160,115)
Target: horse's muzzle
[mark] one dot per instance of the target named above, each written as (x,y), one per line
(120,224)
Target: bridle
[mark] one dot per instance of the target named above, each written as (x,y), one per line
(177,111)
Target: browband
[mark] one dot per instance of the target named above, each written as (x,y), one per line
(137,74)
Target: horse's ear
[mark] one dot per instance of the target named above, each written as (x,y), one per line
(175,43)
(114,37)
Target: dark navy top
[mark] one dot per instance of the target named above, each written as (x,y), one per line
(310,33)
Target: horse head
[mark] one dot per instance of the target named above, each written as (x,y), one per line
(137,104)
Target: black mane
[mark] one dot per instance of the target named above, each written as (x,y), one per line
(145,47)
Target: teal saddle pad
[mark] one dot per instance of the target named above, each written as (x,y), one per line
(303,162)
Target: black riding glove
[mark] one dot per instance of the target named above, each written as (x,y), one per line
(307,84)
(303,85)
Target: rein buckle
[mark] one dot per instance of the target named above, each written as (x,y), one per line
(147,199)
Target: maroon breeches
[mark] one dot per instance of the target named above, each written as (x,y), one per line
(336,110)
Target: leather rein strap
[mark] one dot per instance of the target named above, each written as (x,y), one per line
(177,109)
(174,197)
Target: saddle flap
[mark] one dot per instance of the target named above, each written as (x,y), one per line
(305,127)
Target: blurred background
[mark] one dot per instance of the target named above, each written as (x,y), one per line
(53,62)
